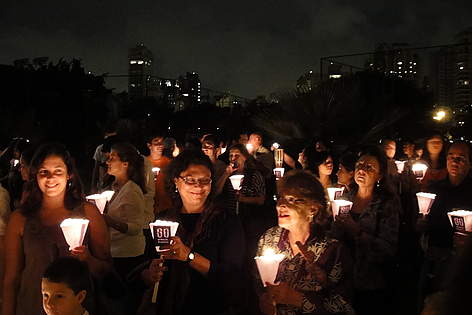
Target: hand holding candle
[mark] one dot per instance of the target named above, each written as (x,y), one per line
(419,170)
(161,231)
(340,207)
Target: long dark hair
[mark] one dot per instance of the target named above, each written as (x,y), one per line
(175,168)
(128,153)
(442,154)
(74,193)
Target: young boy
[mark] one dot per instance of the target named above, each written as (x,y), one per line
(65,285)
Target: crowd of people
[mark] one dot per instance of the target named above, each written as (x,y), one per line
(381,256)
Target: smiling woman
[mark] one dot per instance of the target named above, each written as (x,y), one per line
(202,272)
(34,238)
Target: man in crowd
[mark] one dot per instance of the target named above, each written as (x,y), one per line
(260,153)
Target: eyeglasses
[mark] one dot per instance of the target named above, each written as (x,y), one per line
(291,200)
(188,180)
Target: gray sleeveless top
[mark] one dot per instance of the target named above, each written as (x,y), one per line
(41,246)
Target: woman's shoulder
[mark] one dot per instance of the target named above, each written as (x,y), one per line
(16,221)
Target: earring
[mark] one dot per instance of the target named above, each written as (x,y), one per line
(176,190)
(69,183)
(378,183)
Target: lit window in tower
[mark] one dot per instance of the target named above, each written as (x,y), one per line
(140,62)
(132,62)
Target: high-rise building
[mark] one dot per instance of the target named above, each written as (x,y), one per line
(140,71)
(308,82)
(452,75)
(190,87)
(395,60)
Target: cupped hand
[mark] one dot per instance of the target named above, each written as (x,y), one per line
(81,252)
(177,250)
(155,271)
(282,293)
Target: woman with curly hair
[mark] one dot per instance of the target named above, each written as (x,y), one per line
(313,278)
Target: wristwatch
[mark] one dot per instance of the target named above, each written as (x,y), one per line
(190,257)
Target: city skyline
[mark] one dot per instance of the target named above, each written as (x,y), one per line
(248,50)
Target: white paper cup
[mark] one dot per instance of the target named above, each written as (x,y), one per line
(340,207)
(419,169)
(335,193)
(425,201)
(74,231)
(400,166)
(279,172)
(236,181)
(161,223)
(461,220)
(268,267)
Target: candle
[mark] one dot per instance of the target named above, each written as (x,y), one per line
(461,220)
(419,169)
(236,181)
(279,172)
(156,171)
(275,145)
(162,231)
(74,231)
(425,201)
(334,193)
(400,166)
(268,265)
(249,148)
(340,207)
(100,200)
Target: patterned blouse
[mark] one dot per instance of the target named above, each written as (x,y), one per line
(330,255)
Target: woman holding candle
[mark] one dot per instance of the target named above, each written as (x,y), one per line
(34,238)
(371,232)
(313,278)
(203,264)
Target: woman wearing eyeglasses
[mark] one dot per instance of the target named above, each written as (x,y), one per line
(201,273)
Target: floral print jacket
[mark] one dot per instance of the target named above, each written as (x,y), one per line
(329,254)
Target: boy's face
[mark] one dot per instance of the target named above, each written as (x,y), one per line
(59,299)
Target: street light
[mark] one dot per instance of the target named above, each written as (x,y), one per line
(439,115)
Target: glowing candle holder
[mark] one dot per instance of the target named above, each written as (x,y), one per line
(237,181)
(161,232)
(340,207)
(275,145)
(249,148)
(419,169)
(74,231)
(156,171)
(100,200)
(425,201)
(279,172)
(400,166)
(335,193)
(268,265)
(461,220)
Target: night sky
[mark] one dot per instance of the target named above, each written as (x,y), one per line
(245,47)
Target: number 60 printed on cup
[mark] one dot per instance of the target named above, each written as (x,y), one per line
(162,231)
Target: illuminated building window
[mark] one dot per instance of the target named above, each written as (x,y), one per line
(133,85)
(132,62)
(168,83)
(335,76)
(140,62)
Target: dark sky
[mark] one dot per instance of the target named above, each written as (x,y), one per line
(246,47)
